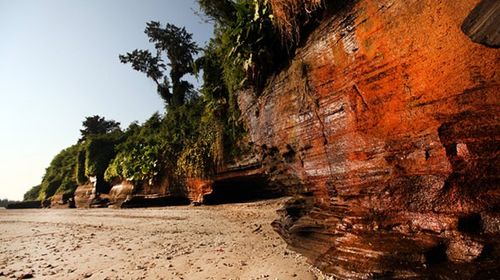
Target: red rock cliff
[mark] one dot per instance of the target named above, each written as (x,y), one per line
(386,125)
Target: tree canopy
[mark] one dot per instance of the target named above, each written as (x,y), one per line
(97,125)
(178,46)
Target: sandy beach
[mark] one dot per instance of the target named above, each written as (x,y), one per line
(231,241)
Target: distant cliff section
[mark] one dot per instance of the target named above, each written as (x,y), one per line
(5,202)
(385,126)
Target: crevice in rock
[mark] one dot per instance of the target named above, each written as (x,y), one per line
(298,207)
(474,163)
(290,214)
(427,154)
(488,251)
(289,155)
(436,255)
(308,92)
(101,186)
(241,189)
(470,223)
(308,96)
(358,92)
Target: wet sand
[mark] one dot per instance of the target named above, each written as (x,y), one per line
(231,241)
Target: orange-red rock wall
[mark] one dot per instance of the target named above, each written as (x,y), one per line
(388,118)
(197,188)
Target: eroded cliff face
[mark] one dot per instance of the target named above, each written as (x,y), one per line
(386,127)
(126,194)
(84,195)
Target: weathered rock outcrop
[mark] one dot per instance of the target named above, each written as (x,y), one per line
(127,195)
(386,126)
(482,23)
(120,193)
(198,188)
(62,201)
(245,179)
(83,195)
(25,205)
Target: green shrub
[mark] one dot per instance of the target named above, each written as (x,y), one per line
(138,164)
(197,157)
(140,155)
(60,176)
(32,194)
(247,43)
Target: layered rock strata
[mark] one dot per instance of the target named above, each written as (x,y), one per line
(386,127)
(128,195)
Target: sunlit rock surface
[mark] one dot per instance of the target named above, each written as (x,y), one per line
(119,193)
(83,195)
(386,125)
(127,195)
(62,201)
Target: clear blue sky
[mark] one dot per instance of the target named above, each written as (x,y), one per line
(59,63)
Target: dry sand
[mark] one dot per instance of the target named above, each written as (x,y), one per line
(231,241)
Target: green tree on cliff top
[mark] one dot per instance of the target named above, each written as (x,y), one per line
(97,125)
(177,44)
